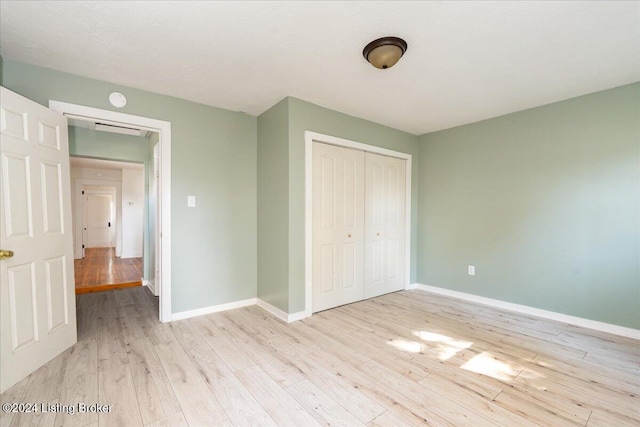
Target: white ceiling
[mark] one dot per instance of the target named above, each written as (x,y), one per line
(84,162)
(466,61)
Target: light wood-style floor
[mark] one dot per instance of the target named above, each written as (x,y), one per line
(101,270)
(403,359)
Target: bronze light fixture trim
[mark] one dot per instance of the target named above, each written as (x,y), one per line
(385,52)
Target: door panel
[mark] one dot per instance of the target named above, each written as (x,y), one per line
(338,226)
(327,268)
(385,225)
(57,310)
(52,197)
(349,263)
(327,200)
(48,135)
(18,220)
(393,258)
(37,300)
(22,305)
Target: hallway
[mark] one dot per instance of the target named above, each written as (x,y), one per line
(101,270)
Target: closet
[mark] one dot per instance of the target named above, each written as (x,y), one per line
(359,220)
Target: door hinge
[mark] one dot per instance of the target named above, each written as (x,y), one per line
(82,246)
(109,224)
(82,191)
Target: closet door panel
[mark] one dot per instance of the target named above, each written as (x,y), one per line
(384,224)
(338,226)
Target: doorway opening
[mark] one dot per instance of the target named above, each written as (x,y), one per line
(109,219)
(159,278)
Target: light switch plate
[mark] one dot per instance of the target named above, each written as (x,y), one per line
(191,201)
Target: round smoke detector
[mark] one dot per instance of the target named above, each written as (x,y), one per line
(117,99)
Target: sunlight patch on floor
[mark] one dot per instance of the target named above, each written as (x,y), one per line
(447,346)
(534,378)
(487,364)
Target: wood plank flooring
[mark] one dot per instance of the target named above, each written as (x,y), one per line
(101,270)
(403,359)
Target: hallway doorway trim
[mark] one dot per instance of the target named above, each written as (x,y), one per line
(164,129)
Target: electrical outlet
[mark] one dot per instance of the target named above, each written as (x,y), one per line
(191,201)
(472,270)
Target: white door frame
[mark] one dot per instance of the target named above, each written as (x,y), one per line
(156,274)
(309,139)
(164,129)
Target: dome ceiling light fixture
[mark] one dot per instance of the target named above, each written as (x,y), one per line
(385,52)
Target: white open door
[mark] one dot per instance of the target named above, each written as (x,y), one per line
(37,298)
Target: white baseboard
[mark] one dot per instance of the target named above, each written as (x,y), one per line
(125,255)
(551,315)
(294,317)
(212,309)
(288,318)
(149,284)
(285,317)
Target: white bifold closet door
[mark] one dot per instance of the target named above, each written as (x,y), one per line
(358,225)
(338,226)
(385,207)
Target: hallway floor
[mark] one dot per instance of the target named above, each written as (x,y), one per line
(101,270)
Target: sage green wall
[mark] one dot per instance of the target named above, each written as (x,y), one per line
(544,202)
(103,145)
(305,116)
(213,158)
(273,205)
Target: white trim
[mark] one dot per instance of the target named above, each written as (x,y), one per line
(524,309)
(213,309)
(164,128)
(287,318)
(309,138)
(341,142)
(156,274)
(272,309)
(131,255)
(294,317)
(308,222)
(149,284)
(407,230)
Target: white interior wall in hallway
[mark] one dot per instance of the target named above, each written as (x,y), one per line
(132,212)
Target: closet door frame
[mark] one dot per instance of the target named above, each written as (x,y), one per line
(310,138)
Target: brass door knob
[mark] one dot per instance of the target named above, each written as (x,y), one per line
(4,254)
